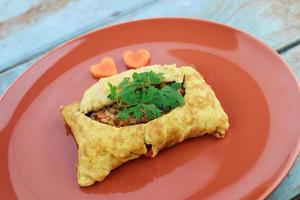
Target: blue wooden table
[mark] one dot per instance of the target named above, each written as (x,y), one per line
(29,29)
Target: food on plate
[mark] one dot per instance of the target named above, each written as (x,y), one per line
(140,112)
(137,59)
(105,68)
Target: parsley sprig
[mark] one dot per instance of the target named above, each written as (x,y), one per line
(140,96)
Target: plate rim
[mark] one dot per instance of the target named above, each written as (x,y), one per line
(294,154)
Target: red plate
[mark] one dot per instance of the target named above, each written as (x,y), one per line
(255,86)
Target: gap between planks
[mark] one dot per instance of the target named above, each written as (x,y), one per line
(196,9)
(288,47)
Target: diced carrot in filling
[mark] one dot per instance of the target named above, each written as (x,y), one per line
(101,115)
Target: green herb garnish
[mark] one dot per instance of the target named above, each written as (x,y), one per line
(140,96)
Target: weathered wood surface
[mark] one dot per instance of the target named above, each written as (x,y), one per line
(48,23)
(293,58)
(35,31)
(30,29)
(290,186)
(275,22)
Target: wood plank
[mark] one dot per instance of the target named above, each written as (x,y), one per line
(290,186)
(293,58)
(12,8)
(275,22)
(49,23)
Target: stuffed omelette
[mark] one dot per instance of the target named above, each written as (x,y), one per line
(140,112)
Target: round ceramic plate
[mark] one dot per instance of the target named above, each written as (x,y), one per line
(255,87)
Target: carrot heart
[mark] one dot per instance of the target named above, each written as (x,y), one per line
(106,67)
(136,59)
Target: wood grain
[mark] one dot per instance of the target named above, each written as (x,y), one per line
(290,186)
(12,8)
(275,22)
(47,25)
(293,58)
(31,15)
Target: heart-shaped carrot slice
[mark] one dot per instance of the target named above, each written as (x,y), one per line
(106,67)
(136,59)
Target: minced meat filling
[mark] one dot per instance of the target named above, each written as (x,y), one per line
(109,114)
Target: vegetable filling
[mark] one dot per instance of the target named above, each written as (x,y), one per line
(139,99)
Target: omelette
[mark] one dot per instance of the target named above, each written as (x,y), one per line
(138,113)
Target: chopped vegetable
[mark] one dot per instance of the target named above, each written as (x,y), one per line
(136,59)
(106,67)
(101,115)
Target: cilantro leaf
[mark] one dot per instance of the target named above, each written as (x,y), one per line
(149,94)
(176,86)
(136,111)
(130,96)
(146,79)
(152,111)
(145,95)
(124,114)
(113,92)
(155,78)
(169,98)
(124,83)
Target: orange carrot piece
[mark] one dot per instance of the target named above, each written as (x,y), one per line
(101,115)
(106,67)
(136,59)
